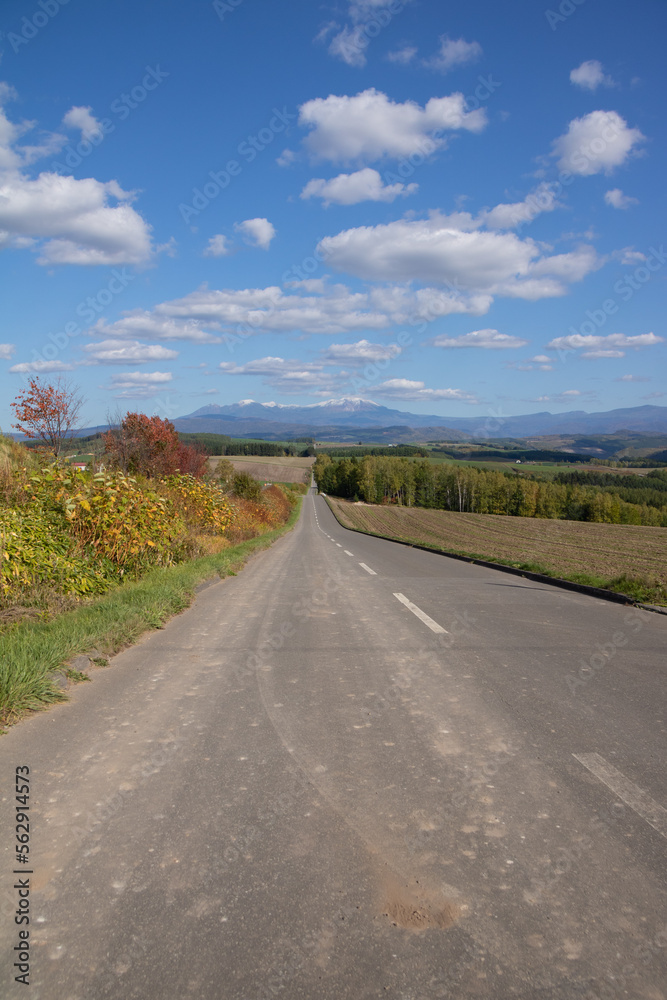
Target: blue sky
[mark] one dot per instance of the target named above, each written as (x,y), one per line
(447,208)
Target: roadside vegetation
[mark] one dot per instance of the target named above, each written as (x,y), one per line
(92,558)
(626,559)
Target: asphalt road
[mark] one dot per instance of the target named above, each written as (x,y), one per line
(307,786)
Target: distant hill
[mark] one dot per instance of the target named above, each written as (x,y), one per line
(343,419)
(353,419)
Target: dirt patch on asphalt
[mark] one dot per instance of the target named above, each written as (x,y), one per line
(416,909)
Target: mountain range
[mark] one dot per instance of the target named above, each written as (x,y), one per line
(337,419)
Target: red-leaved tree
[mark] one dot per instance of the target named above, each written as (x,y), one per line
(150,446)
(47,411)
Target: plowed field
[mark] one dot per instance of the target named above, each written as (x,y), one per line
(605,555)
(273,470)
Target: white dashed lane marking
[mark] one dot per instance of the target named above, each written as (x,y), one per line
(627,791)
(347,553)
(368,569)
(434,627)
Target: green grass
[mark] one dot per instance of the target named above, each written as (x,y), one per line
(32,651)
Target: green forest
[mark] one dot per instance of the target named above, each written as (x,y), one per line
(575,496)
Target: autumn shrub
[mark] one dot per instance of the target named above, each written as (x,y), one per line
(37,551)
(245,486)
(76,533)
(277,503)
(251,518)
(201,504)
(130,526)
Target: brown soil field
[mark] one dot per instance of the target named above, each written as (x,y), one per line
(273,470)
(607,555)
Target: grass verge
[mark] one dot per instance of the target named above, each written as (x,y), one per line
(32,651)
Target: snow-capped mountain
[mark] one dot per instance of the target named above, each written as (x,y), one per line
(248,418)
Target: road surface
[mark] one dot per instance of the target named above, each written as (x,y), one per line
(356,770)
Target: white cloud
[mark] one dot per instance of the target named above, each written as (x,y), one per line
(590,75)
(453,53)
(232,315)
(508,216)
(6,351)
(141,378)
(541,362)
(287,375)
(611,346)
(258,232)
(487,339)
(441,250)
(369,126)
(350,45)
(286,158)
(67,221)
(350,189)
(154,325)
(632,378)
(473,266)
(629,257)
(368,18)
(408,389)
(362,352)
(594,355)
(402,56)
(82,119)
(121,352)
(596,143)
(138,385)
(567,396)
(41,367)
(217,246)
(617,199)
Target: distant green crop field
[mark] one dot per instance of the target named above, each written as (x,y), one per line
(528,468)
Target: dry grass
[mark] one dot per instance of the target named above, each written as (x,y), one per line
(621,557)
(274,470)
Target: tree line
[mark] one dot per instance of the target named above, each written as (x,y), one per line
(222,444)
(360,451)
(382,480)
